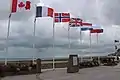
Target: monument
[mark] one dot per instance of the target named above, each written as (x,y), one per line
(73,64)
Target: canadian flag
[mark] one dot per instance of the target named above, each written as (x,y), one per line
(20,4)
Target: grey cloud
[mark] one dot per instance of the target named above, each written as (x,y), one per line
(111,11)
(18,16)
(85,9)
(21,31)
(96,11)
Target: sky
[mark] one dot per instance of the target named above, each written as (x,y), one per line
(104,13)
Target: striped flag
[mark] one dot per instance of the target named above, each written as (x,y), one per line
(86,28)
(86,24)
(43,11)
(96,31)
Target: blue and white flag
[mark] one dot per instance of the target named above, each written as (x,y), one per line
(86,28)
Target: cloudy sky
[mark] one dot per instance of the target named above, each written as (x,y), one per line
(101,12)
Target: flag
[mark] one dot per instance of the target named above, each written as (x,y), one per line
(96,31)
(75,22)
(20,4)
(86,28)
(43,11)
(86,24)
(116,41)
(62,17)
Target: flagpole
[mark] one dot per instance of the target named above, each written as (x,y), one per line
(90,43)
(90,47)
(69,46)
(7,39)
(81,31)
(34,37)
(97,44)
(80,35)
(53,43)
(97,38)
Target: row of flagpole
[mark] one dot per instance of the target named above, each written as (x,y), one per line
(34,31)
(7,38)
(33,45)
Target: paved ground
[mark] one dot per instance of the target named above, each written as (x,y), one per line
(97,73)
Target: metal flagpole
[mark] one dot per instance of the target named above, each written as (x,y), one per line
(80,32)
(53,43)
(97,37)
(80,35)
(90,43)
(97,44)
(34,38)
(8,31)
(69,46)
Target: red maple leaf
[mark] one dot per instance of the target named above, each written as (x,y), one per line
(28,5)
(21,5)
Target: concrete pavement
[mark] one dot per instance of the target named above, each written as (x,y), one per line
(96,73)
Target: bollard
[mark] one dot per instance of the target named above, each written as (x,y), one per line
(73,64)
(38,66)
